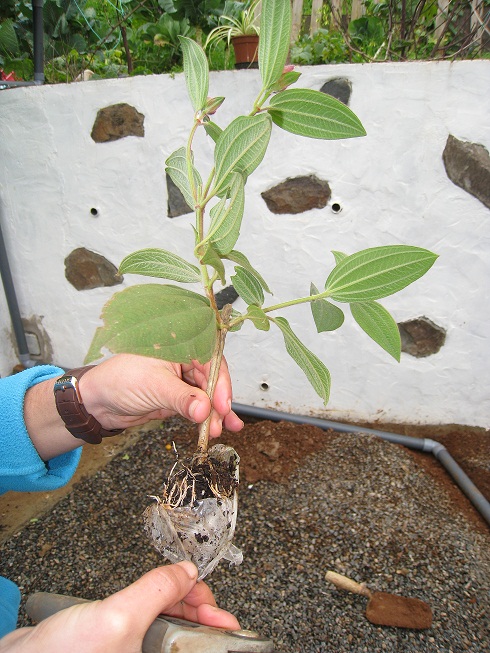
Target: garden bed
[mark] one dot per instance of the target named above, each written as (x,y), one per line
(309,501)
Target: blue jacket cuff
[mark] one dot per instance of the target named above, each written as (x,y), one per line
(21,468)
(9,605)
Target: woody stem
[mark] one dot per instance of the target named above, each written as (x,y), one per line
(203,439)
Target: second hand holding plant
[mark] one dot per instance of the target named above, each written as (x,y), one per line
(179,325)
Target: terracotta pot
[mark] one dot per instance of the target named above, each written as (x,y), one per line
(246,51)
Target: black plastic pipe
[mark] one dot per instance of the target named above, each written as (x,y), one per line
(38,37)
(13,306)
(437,449)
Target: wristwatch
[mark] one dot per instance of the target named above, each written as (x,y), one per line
(69,405)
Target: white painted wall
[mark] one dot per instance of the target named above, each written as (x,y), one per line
(392,186)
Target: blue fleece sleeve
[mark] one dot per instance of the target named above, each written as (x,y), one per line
(9,605)
(21,468)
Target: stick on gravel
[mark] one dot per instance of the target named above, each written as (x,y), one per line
(385,609)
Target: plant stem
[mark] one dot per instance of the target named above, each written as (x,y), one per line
(190,172)
(277,307)
(293,302)
(203,439)
(259,101)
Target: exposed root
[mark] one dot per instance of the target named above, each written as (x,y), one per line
(205,476)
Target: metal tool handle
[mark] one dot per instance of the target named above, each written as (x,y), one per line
(165,634)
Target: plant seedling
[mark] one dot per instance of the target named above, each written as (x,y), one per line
(179,325)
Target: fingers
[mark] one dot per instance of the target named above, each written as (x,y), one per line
(128,390)
(200,606)
(170,590)
(223,391)
(233,423)
(222,415)
(211,616)
(157,592)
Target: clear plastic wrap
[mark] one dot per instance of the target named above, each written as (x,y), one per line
(200,529)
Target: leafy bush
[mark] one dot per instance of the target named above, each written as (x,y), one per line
(396,30)
(324,46)
(135,37)
(109,40)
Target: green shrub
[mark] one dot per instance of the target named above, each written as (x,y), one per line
(324,46)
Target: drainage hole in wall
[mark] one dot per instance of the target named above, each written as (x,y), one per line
(94,212)
(264,386)
(336,207)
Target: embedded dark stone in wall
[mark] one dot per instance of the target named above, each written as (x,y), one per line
(226,296)
(85,270)
(468,166)
(298,194)
(421,337)
(339,88)
(117,121)
(176,204)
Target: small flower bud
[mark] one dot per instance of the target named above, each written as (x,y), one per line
(286,79)
(212,105)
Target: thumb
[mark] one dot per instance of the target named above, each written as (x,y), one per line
(152,594)
(189,401)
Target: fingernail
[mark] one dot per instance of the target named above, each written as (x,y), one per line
(189,567)
(193,408)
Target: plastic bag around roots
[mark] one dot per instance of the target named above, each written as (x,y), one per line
(202,531)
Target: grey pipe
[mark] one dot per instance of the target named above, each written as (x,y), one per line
(38,37)
(8,284)
(438,450)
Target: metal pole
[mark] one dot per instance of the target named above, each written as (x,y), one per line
(13,306)
(38,34)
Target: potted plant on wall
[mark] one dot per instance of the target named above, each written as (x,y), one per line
(238,26)
(171,322)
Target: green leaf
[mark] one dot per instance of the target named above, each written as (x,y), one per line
(258,317)
(316,372)
(177,170)
(161,321)
(9,43)
(242,260)
(196,71)
(275,37)
(159,263)
(339,256)
(240,148)
(226,217)
(247,286)
(212,258)
(378,272)
(327,316)
(212,129)
(375,320)
(234,315)
(311,113)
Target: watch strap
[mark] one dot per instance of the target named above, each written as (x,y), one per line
(70,407)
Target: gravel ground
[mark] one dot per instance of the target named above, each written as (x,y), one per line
(357,505)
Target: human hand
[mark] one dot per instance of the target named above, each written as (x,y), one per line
(129,390)
(119,623)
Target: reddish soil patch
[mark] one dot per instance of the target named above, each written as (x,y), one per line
(273,450)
